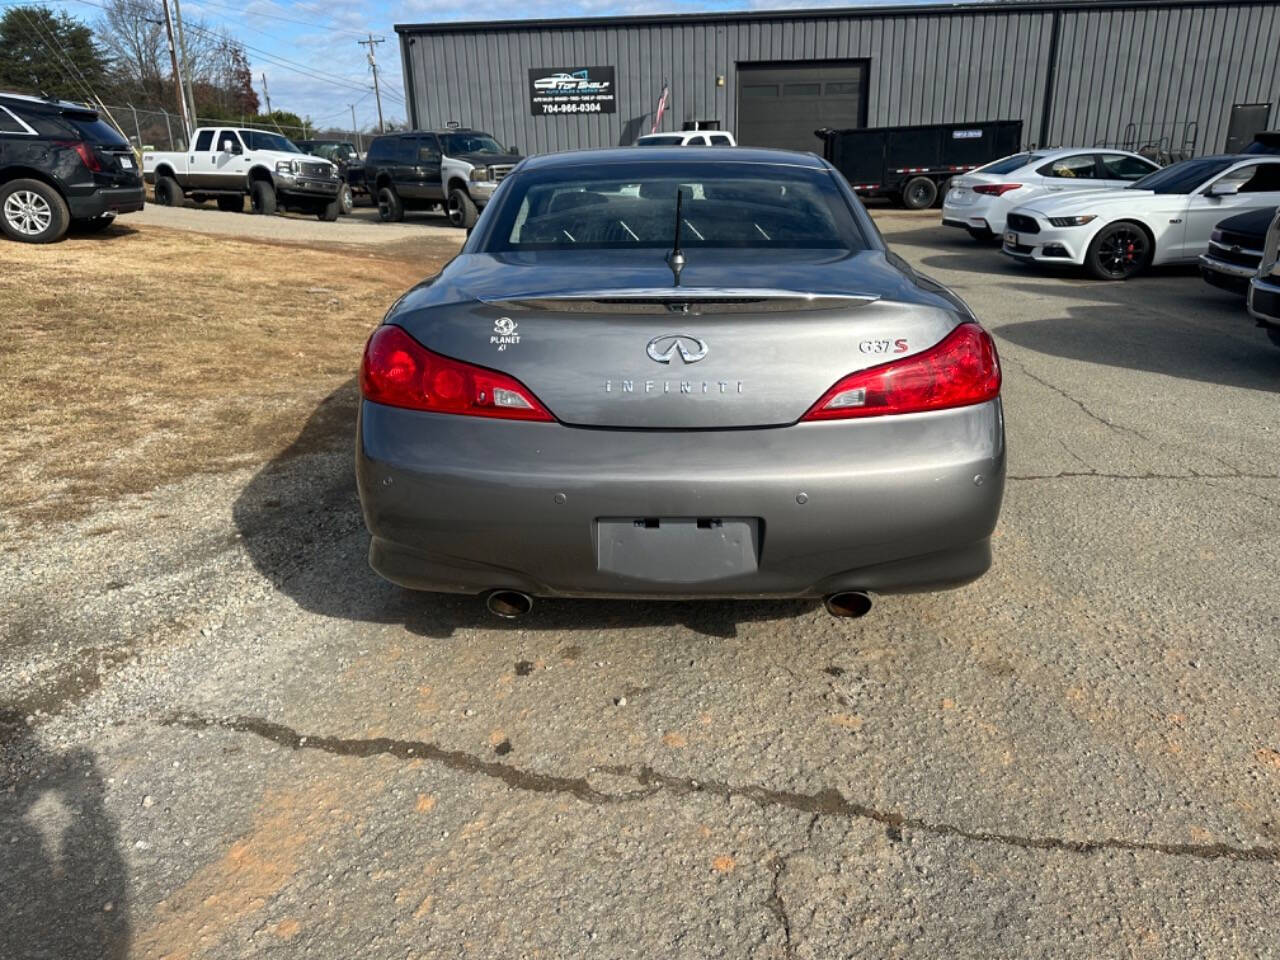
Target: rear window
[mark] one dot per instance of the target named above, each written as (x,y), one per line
(728,206)
(672,141)
(95,130)
(1010,164)
(382,148)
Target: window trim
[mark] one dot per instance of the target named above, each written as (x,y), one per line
(26,130)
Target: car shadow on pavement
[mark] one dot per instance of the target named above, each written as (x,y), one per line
(115,231)
(65,890)
(299,519)
(1192,334)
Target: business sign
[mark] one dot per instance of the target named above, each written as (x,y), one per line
(966,134)
(571,90)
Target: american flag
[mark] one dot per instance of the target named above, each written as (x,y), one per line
(662,106)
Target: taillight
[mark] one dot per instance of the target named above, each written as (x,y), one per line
(961,370)
(400,372)
(996,189)
(86,154)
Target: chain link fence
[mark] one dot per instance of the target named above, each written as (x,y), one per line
(152,129)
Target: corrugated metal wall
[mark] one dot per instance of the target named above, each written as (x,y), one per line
(1153,68)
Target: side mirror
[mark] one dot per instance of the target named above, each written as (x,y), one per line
(513,149)
(1220,189)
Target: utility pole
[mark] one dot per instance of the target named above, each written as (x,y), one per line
(266,95)
(355,129)
(185,59)
(177,74)
(373,64)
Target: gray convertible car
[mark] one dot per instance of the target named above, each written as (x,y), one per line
(672,374)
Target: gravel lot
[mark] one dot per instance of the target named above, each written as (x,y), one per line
(362,226)
(251,746)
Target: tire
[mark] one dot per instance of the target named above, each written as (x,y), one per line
(331,210)
(981,235)
(93,224)
(943,187)
(390,206)
(919,193)
(262,198)
(31,211)
(168,192)
(231,204)
(1274,334)
(347,199)
(1119,251)
(461,209)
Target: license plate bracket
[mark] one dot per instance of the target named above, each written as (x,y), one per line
(677,549)
(1011,238)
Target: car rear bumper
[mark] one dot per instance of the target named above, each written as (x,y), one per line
(461,504)
(976,215)
(106,200)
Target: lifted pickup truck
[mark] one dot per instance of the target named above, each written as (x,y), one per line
(458,169)
(226,163)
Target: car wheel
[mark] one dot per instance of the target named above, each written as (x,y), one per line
(390,207)
(331,210)
(462,209)
(262,198)
(33,212)
(1119,251)
(1274,334)
(347,199)
(168,192)
(231,204)
(980,234)
(919,193)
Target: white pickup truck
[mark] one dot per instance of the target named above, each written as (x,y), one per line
(228,163)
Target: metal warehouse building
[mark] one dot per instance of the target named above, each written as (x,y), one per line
(1178,73)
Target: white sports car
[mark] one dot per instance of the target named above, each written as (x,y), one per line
(1166,217)
(979,200)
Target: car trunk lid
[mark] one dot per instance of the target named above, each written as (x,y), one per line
(729,348)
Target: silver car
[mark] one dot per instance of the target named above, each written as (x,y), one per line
(657,374)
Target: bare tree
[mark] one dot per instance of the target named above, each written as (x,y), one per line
(132,31)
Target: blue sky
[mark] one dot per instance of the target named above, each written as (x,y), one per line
(315,66)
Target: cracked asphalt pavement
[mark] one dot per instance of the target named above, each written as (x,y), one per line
(224,737)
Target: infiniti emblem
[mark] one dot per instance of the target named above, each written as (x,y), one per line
(663,348)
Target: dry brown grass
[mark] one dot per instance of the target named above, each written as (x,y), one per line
(137,357)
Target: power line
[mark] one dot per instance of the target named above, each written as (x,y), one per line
(272,58)
(278,61)
(276,16)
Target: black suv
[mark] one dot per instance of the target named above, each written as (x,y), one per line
(458,169)
(60,163)
(344,155)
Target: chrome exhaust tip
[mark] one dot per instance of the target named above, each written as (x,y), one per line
(508,604)
(853,603)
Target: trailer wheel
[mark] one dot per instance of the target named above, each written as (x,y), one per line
(919,193)
(943,187)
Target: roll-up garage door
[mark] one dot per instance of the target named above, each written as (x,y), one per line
(781,104)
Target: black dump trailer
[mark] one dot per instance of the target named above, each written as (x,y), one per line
(913,164)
